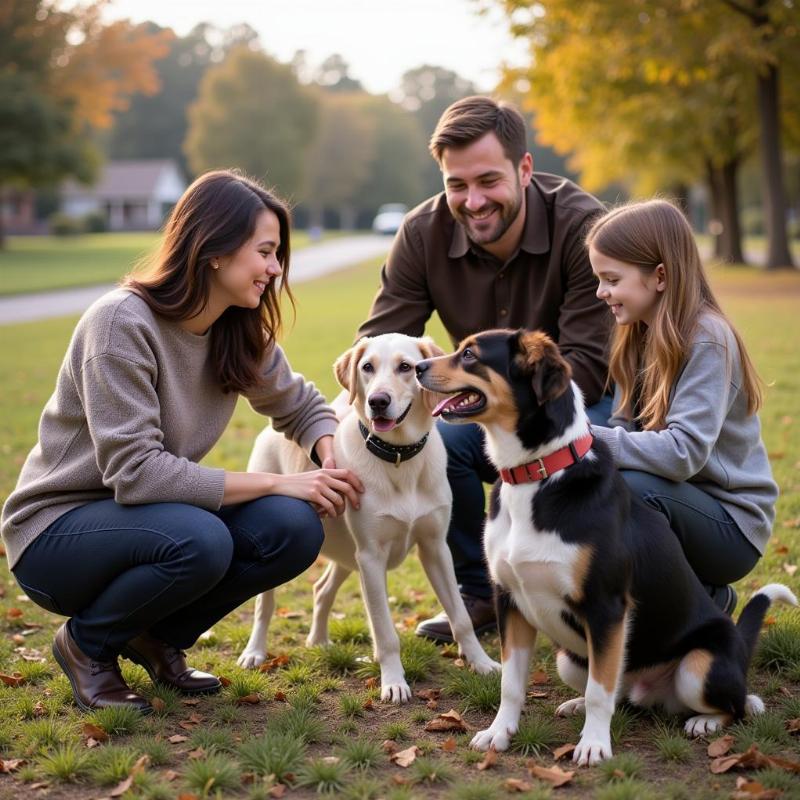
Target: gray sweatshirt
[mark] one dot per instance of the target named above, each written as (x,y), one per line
(709,440)
(135,407)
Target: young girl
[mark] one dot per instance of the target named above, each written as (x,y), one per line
(684,432)
(113,523)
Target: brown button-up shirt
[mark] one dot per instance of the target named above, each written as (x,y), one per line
(547,284)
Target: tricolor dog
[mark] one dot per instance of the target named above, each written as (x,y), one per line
(387,437)
(573,554)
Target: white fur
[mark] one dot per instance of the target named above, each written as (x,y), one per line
(777,592)
(402,506)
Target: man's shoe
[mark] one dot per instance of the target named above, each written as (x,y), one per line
(725,597)
(95,684)
(480,610)
(166,665)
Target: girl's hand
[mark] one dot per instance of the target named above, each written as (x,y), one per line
(327,489)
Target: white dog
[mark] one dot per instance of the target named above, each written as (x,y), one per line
(387,437)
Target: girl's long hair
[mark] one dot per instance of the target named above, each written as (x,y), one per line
(215,216)
(645,361)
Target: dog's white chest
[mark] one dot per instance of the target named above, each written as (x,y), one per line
(536,567)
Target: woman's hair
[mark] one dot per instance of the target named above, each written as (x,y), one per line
(215,216)
(645,361)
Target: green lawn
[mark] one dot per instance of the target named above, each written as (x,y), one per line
(332,709)
(39,263)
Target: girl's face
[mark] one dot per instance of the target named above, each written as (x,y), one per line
(241,278)
(631,295)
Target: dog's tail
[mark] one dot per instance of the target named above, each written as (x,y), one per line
(752,617)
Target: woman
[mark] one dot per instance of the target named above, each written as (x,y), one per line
(685,432)
(113,523)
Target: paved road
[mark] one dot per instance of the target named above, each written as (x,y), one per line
(307,264)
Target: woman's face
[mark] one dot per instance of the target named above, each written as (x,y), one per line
(631,294)
(241,278)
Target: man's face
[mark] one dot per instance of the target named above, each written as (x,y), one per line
(484,189)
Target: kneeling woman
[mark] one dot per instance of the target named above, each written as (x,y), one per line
(113,523)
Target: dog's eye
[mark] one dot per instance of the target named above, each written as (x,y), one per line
(404,366)
(367,367)
(468,355)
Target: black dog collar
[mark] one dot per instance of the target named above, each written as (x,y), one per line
(393,453)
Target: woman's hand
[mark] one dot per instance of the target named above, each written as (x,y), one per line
(327,489)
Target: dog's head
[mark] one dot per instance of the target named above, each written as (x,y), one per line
(512,379)
(379,374)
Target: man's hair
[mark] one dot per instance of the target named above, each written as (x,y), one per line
(467,120)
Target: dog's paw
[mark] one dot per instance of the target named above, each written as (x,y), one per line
(497,737)
(704,724)
(753,705)
(316,640)
(485,665)
(591,751)
(251,658)
(397,692)
(572,707)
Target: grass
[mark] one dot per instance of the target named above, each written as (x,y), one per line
(313,708)
(43,263)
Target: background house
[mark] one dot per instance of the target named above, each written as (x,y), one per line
(132,195)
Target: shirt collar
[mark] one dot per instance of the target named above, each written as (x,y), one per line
(535,234)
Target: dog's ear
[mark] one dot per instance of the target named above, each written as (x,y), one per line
(429,349)
(346,368)
(540,358)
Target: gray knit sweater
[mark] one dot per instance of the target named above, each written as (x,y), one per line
(709,438)
(135,407)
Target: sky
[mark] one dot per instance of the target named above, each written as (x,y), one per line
(380,39)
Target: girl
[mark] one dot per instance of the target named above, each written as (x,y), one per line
(684,432)
(113,523)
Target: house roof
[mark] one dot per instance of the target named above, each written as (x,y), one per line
(130,179)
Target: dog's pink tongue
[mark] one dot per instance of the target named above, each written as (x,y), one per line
(443,405)
(382,425)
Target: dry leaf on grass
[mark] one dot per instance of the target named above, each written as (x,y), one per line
(389,746)
(278,790)
(564,750)
(170,775)
(516,785)
(279,661)
(790,569)
(158,704)
(94,732)
(280,697)
(537,694)
(177,739)
(720,747)
(539,677)
(252,699)
(224,681)
(17,679)
(371,683)
(197,753)
(405,758)
(554,774)
(190,701)
(752,758)
(123,786)
(8,765)
(490,759)
(449,721)
(793,725)
(449,745)
(753,790)
(14,613)
(288,613)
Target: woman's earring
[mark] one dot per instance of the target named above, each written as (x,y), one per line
(215,265)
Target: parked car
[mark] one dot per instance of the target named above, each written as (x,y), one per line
(389,218)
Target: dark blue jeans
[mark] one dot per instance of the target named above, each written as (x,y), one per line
(468,468)
(167,568)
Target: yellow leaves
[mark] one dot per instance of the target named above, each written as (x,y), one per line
(449,721)
(405,758)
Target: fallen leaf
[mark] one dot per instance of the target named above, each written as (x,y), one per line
(331,759)
(196,718)
(405,758)
(554,774)
(273,663)
(770,619)
(752,758)
(158,705)
(537,694)
(539,677)
(793,725)
(90,743)
(252,699)
(95,732)
(18,639)
(792,523)
(224,681)
(432,705)
(400,780)
(278,790)
(280,697)
(190,701)
(177,739)
(12,680)
(449,653)
(790,569)
(368,704)
(197,753)
(449,745)
(753,790)
(14,613)
(490,759)
(186,725)
(449,721)
(288,613)
(188,796)
(8,765)
(39,710)
(428,694)
(122,787)
(371,683)
(781,549)
(720,747)
(516,785)
(40,785)
(564,750)
(170,775)
(618,774)
(389,746)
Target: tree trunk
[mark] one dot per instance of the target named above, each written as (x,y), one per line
(774,197)
(725,212)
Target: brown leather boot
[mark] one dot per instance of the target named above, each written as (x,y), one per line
(481,612)
(95,684)
(166,664)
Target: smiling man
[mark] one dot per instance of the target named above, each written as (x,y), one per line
(501,247)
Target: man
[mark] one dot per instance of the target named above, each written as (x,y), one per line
(502,247)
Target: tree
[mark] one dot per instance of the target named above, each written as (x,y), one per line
(155,125)
(333,75)
(252,113)
(63,74)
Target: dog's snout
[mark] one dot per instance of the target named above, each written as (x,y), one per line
(421,367)
(379,401)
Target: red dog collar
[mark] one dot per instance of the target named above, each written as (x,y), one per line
(543,468)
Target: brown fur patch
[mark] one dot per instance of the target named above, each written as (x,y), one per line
(517,633)
(580,569)
(698,662)
(605,666)
(550,371)
(345,368)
